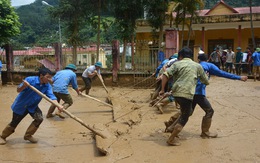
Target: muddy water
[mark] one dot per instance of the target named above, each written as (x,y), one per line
(138,134)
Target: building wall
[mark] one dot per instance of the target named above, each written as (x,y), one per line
(219,10)
(217,34)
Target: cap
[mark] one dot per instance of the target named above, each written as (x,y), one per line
(71,66)
(98,64)
(175,55)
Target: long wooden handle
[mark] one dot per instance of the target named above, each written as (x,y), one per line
(65,111)
(102,82)
(143,80)
(97,100)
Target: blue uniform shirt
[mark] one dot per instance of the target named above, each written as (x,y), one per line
(62,79)
(212,70)
(29,99)
(160,67)
(0,66)
(256,58)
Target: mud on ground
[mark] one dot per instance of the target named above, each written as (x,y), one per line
(138,133)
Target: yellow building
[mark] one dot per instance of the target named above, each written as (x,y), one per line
(221,25)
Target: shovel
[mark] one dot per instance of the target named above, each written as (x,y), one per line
(66,112)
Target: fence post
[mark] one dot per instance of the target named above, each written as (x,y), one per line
(58,56)
(196,50)
(171,41)
(9,62)
(115,58)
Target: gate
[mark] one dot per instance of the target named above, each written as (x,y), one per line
(146,61)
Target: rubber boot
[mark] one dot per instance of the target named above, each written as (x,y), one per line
(161,104)
(175,119)
(6,132)
(29,132)
(205,125)
(172,139)
(50,111)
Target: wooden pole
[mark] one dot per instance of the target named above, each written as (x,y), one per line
(65,111)
(143,80)
(97,100)
(100,78)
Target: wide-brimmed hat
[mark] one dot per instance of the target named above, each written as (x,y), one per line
(71,66)
(257,49)
(239,48)
(98,64)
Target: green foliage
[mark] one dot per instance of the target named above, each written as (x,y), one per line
(156,12)
(233,3)
(126,13)
(38,28)
(117,19)
(9,23)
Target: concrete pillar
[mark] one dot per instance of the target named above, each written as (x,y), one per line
(58,56)
(196,50)
(171,41)
(203,38)
(239,36)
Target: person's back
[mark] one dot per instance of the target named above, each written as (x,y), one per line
(62,79)
(256,58)
(185,74)
(256,63)
(186,78)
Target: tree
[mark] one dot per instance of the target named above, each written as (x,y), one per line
(9,23)
(156,15)
(125,13)
(73,13)
(187,7)
(192,9)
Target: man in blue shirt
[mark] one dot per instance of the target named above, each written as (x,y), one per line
(155,94)
(61,80)
(27,103)
(256,63)
(1,72)
(200,94)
